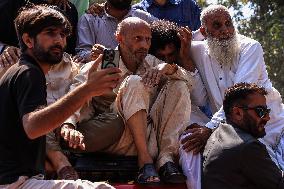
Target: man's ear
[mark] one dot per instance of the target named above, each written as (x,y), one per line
(237,113)
(29,42)
(203,31)
(118,37)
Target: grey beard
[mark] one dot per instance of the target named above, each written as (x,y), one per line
(224,51)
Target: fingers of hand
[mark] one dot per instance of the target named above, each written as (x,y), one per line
(151,77)
(9,56)
(96,9)
(71,138)
(97,49)
(81,142)
(191,145)
(188,137)
(3,60)
(198,149)
(194,125)
(66,134)
(14,56)
(105,81)
(185,33)
(96,64)
(148,79)
(75,139)
(157,77)
(78,59)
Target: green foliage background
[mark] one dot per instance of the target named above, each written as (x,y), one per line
(265,25)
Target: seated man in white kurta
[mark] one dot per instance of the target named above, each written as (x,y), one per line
(224,59)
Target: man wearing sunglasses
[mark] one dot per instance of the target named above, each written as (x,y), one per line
(233,156)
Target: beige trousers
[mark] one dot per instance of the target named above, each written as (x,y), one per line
(34,183)
(168,112)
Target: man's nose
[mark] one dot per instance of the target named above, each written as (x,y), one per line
(60,39)
(145,43)
(224,30)
(266,117)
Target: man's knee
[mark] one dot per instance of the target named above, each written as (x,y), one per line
(102,132)
(178,86)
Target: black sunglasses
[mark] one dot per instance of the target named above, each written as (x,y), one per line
(261,111)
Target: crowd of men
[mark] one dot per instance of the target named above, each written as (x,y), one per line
(191,97)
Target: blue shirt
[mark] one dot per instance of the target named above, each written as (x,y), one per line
(183,12)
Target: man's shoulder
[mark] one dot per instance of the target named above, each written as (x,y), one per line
(142,5)
(198,43)
(191,3)
(89,17)
(142,14)
(198,46)
(233,136)
(247,42)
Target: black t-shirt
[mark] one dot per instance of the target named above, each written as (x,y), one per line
(22,90)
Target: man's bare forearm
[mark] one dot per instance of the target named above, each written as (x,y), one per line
(40,122)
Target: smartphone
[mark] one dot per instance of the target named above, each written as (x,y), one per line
(110,58)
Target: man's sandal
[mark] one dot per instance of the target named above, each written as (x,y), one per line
(169,173)
(67,173)
(145,173)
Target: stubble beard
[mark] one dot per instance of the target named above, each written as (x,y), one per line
(46,56)
(224,51)
(133,57)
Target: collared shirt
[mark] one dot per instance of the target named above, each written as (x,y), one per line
(87,111)
(93,29)
(249,66)
(183,12)
(59,78)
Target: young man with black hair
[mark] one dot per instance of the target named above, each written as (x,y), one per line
(24,117)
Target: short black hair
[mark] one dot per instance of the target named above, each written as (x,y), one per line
(32,19)
(164,33)
(237,95)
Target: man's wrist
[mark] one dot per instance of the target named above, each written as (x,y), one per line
(68,126)
(188,65)
(171,69)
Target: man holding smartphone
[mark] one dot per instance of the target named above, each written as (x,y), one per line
(25,119)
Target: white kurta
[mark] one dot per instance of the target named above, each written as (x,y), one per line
(249,66)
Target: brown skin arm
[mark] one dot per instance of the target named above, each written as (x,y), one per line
(9,56)
(197,140)
(41,122)
(96,9)
(185,37)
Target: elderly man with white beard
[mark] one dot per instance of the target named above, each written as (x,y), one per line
(224,59)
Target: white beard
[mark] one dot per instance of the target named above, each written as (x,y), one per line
(224,51)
